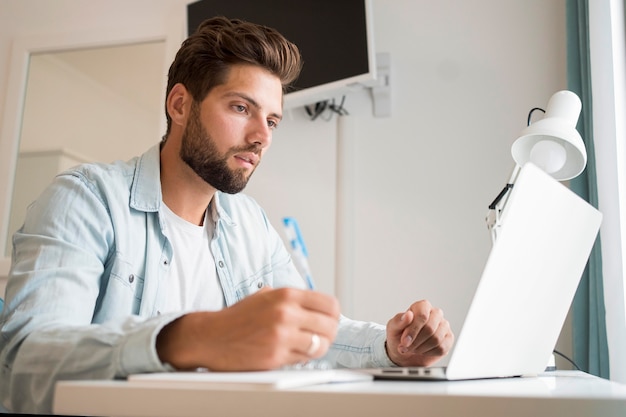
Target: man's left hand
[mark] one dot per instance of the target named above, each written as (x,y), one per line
(418,337)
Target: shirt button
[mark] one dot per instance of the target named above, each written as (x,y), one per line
(221,264)
(165,262)
(131,278)
(259,285)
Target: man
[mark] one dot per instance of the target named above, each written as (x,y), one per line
(159,263)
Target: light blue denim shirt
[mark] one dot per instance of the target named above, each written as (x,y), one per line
(87,278)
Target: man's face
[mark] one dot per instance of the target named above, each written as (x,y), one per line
(228,132)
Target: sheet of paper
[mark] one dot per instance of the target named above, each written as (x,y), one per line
(263,380)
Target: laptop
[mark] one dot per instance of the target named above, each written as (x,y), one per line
(527,285)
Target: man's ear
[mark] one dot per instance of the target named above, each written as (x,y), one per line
(178,104)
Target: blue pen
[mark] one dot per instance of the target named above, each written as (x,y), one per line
(298,250)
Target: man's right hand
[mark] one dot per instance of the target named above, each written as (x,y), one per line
(269,329)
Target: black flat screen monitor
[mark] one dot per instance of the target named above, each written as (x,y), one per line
(335,38)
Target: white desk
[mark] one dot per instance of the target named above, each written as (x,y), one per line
(562,393)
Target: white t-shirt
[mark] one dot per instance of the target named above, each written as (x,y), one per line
(192,283)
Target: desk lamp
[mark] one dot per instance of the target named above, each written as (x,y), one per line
(552,143)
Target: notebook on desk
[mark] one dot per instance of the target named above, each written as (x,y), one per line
(526,288)
(260,380)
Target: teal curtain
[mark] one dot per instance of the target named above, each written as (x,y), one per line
(589,323)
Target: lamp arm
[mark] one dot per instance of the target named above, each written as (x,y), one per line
(496,208)
(500,196)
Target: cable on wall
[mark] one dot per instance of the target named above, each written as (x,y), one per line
(316,110)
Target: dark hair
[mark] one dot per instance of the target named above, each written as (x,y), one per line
(205,57)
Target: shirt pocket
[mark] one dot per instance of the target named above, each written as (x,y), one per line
(125,287)
(254,282)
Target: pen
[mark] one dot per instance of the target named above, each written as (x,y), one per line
(300,257)
(298,250)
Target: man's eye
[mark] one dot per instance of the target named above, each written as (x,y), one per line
(272,124)
(239,108)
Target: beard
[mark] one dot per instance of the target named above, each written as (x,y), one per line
(199,151)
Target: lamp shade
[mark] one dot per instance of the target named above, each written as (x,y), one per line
(553,143)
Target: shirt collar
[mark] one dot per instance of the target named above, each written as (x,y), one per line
(146,195)
(145,192)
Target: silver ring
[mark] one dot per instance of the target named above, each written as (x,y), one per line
(315,344)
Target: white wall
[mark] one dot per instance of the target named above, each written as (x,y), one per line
(66,109)
(464,76)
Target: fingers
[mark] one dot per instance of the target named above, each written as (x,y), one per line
(299,324)
(435,337)
(318,323)
(311,346)
(425,324)
(310,311)
(315,301)
(309,300)
(397,325)
(419,336)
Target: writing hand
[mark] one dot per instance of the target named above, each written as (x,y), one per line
(418,337)
(269,329)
